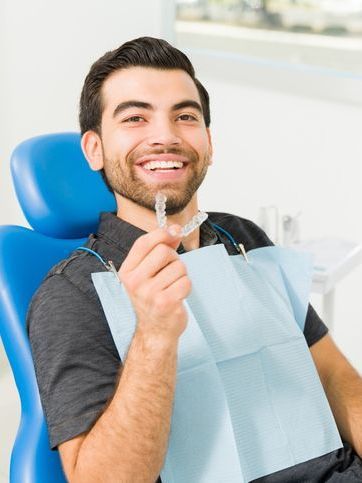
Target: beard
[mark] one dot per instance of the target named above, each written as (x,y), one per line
(125,182)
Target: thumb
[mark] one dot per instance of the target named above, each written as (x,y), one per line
(175,233)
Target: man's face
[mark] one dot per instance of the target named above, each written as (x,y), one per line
(154,116)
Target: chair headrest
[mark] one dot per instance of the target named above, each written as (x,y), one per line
(59,194)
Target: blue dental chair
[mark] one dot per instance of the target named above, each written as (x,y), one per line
(61,199)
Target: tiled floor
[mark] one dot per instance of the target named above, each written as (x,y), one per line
(9,419)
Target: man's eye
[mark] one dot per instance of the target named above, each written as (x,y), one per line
(133,119)
(187,117)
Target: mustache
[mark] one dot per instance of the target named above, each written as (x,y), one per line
(190,154)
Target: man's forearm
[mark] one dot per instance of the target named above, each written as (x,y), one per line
(129,441)
(344,392)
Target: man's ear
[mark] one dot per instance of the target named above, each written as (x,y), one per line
(92,148)
(211,150)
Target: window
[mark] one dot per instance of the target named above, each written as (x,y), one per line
(320,33)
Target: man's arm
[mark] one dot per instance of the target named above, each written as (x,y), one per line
(129,441)
(343,387)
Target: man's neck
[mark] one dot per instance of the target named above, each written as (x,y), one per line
(145,219)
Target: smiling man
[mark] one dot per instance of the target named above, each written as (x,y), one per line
(145,122)
(153,134)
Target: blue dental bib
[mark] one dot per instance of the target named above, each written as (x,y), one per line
(248,398)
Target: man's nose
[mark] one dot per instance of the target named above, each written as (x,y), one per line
(163,133)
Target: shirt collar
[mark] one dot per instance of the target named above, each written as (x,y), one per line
(123,234)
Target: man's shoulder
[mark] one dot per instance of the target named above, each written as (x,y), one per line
(67,283)
(229,218)
(76,269)
(243,230)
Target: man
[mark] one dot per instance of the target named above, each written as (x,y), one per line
(145,124)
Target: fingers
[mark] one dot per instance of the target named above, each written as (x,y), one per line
(169,301)
(146,243)
(156,281)
(161,256)
(179,290)
(164,278)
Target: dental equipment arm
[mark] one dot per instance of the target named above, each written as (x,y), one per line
(343,387)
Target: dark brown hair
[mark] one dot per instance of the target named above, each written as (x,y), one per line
(141,52)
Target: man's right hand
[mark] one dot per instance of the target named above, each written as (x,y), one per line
(157,283)
(128,442)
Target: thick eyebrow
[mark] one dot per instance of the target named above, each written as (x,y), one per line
(127,104)
(145,105)
(187,103)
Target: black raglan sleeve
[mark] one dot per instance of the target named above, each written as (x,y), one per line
(75,359)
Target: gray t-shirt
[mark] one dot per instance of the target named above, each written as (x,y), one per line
(76,361)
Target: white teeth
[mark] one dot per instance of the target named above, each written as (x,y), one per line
(162,164)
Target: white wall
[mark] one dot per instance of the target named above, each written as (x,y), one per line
(47,48)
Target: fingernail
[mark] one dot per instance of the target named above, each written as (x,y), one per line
(174,230)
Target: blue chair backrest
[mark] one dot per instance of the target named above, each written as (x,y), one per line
(61,199)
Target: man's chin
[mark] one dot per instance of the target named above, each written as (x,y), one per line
(145,196)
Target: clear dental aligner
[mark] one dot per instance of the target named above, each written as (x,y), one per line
(194,223)
(160,208)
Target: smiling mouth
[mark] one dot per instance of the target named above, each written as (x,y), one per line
(162,165)
(161,171)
